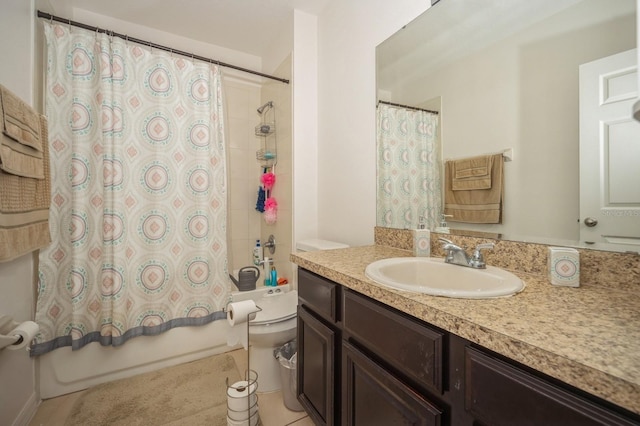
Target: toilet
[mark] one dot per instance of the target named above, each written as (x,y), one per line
(276,323)
(271,328)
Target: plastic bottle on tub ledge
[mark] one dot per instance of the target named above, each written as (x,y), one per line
(267,271)
(257,254)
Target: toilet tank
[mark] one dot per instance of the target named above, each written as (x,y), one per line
(317,244)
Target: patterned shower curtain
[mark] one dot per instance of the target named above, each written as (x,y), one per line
(138,212)
(409,181)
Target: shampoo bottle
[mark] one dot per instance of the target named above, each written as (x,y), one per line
(267,269)
(257,254)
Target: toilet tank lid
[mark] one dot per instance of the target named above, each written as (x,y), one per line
(317,244)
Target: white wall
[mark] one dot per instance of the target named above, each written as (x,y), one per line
(305,126)
(348,33)
(18,398)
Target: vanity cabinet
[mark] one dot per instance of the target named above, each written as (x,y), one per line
(319,339)
(363,363)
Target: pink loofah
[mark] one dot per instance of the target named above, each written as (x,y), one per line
(268,180)
(270,211)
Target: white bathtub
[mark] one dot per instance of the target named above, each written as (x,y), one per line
(63,371)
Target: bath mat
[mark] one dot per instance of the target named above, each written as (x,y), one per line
(193,393)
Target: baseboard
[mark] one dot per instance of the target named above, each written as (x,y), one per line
(28,411)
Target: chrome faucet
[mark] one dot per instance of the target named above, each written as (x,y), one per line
(457,255)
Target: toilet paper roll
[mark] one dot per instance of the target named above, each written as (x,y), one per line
(27,331)
(242,395)
(237,315)
(241,312)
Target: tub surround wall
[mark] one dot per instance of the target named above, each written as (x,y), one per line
(587,337)
(282,191)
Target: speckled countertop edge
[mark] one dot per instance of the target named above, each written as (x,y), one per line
(588,337)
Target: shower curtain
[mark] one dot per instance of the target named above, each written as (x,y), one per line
(409,180)
(138,212)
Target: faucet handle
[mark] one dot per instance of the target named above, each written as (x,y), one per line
(448,245)
(485,246)
(445,241)
(450,248)
(477,257)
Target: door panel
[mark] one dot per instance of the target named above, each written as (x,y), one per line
(609,151)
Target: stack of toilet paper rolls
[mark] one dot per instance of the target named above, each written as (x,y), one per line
(242,404)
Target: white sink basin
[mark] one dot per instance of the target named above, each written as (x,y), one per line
(432,276)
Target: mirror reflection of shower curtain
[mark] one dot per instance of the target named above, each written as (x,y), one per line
(138,212)
(409,178)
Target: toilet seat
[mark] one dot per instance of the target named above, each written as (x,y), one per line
(271,320)
(276,308)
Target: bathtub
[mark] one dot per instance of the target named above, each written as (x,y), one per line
(64,371)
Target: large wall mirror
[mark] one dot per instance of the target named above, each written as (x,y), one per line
(542,79)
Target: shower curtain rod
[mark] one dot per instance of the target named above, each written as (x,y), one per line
(45,15)
(409,107)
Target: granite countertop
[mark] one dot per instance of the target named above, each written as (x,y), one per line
(588,337)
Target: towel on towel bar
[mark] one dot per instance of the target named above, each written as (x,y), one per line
(475,205)
(472,173)
(24,208)
(21,144)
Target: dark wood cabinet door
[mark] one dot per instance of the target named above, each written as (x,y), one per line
(371,396)
(411,347)
(317,344)
(499,394)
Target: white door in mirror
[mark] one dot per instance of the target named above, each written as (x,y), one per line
(609,145)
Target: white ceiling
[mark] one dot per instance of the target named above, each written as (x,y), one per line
(248,26)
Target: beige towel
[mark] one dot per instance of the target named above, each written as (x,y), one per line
(24,208)
(21,145)
(475,205)
(472,173)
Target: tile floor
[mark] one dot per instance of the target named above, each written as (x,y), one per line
(53,412)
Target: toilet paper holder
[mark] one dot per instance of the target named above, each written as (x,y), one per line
(13,334)
(250,383)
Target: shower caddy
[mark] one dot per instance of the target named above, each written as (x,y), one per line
(267,155)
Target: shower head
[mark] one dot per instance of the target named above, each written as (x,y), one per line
(264,107)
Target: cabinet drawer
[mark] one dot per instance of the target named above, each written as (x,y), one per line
(319,294)
(408,345)
(498,393)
